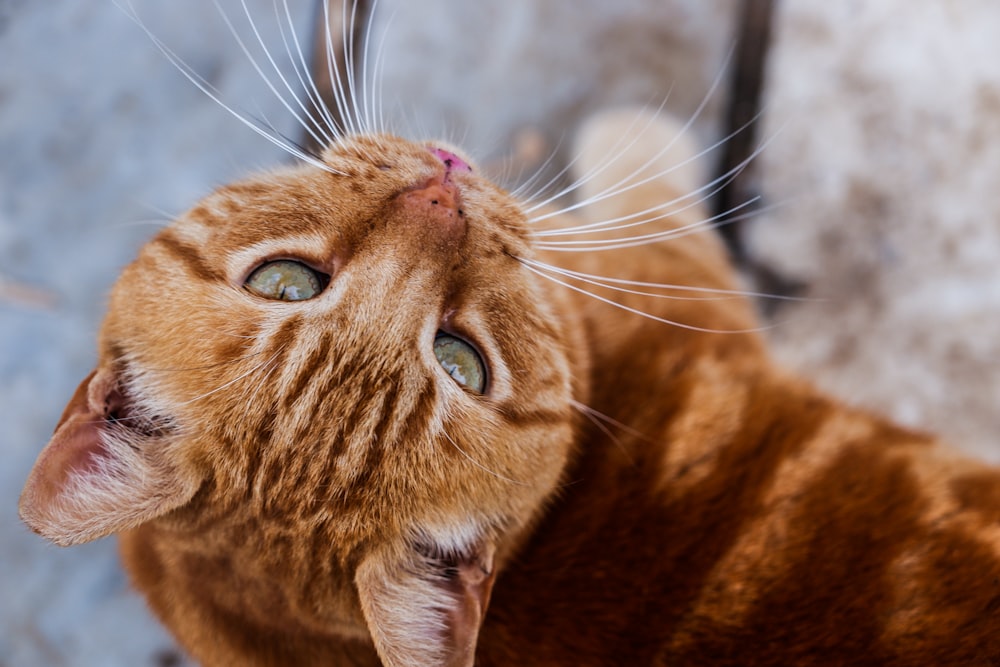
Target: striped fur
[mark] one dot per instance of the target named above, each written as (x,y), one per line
(640,494)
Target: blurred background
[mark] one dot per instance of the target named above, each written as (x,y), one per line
(880,186)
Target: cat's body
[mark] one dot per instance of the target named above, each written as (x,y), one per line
(301,483)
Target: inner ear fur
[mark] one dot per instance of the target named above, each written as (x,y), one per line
(97,475)
(426,610)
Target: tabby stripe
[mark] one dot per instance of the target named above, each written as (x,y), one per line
(868,506)
(337,375)
(247,190)
(779,424)
(319,355)
(414,423)
(330,443)
(273,476)
(255,447)
(369,469)
(188,255)
(391,405)
(528,417)
(282,341)
(417,421)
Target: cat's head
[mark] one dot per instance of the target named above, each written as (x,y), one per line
(353,352)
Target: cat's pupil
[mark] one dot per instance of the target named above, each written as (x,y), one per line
(461,361)
(285,280)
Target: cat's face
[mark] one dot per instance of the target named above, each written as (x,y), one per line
(340,394)
(353,355)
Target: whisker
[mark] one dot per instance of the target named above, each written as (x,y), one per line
(635,311)
(234,380)
(609,285)
(304,74)
(595,418)
(159,223)
(213,93)
(618,187)
(252,398)
(206,367)
(596,169)
(336,81)
(308,127)
(704,193)
(602,225)
(478,464)
(716,222)
(608,419)
(378,75)
(367,98)
(289,140)
(529,183)
(349,52)
(586,245)
(710,293)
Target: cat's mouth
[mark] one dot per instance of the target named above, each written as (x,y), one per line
(125,412)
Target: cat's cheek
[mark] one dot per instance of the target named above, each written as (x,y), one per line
(89,481)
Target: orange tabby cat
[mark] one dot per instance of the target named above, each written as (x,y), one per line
(349,413)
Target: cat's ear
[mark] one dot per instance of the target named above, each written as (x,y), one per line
(427,611)
(97,475)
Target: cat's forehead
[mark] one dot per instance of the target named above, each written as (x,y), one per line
(333,208)
(306,199)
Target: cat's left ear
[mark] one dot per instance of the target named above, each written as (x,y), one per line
(97,475)
(427,611)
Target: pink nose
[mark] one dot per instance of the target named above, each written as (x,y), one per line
(451,161)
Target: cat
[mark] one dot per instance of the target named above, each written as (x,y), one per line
(374,409)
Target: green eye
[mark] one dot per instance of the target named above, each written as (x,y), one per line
(285,280)
(461,361)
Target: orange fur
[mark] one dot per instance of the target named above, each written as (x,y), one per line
(301,483)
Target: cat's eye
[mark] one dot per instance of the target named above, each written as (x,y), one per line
(461,361)
(285,280)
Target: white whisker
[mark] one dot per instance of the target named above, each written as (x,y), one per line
(619,187)
(274,65)
(616,149)
(252,397)
(373,69)
(626,184)
(597,419)
(587,245)
(611,224)
(349,51)
(529,183)
(205,367)
(379,70)
(304,75)
(478,464)
(367,97)
(159,223)
(212,93)
(234,380)
(577,405)
(336,82)
(616,284)
(635,311)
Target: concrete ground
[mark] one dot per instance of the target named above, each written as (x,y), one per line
(882,170)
